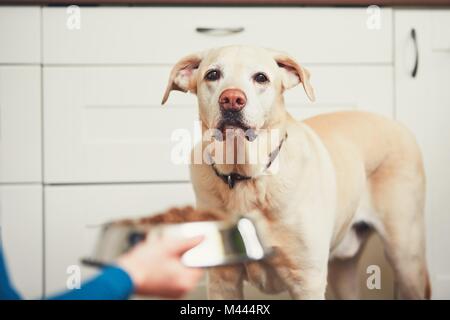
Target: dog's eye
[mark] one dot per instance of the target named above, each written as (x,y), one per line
(260,78)
(212,75)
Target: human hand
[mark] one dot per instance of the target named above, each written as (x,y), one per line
(156,268)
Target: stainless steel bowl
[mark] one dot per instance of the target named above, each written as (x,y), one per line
(224,242)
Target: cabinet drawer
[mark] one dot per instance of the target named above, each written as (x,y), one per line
(73,213)
(368,88)
(21,235)
(106,124)
(20,35)
(163,35)
(20,124)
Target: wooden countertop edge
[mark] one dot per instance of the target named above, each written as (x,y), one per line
(427,3)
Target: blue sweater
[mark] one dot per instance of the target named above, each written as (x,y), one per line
(112,283)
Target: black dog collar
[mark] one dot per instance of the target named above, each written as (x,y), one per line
(233,177)
(230,178)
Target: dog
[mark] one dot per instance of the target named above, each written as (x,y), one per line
(340,177)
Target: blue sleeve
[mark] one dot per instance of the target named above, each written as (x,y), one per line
(113,283)
(7,292)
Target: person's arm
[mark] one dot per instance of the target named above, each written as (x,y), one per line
(148,269)
(113,283)
(7,292)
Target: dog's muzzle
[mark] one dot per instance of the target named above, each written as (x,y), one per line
(232,125)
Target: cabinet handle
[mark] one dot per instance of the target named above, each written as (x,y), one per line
(219,31)
(416,49)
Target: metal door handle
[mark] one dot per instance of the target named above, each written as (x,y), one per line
(219,31)
(416,49)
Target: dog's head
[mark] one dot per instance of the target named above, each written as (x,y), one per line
(238,86)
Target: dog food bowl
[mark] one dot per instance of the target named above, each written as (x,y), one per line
(224,242)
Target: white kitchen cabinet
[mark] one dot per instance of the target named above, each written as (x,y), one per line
(341,88)
(20,35)
(20,124)
(21,235)
(423,104)
(73,215)
(163,35)
(106,124)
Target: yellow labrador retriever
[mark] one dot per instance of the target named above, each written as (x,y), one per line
(339,176)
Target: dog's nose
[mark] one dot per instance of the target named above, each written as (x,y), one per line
(232,100)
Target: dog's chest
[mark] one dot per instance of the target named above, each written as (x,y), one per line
(268,207)
(242,200)
(245,197)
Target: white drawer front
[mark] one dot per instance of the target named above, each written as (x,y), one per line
(368,88)
(20,35)
(73,211)
(20,124)
(21,234)
(106,124)
(163,35)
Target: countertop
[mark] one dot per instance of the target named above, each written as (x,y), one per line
(427,3)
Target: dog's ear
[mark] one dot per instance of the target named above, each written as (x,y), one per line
(182,76)
(293,73)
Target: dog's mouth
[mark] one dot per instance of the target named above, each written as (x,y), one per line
(232,125)
(231,130)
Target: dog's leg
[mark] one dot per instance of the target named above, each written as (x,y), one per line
(305,284)
(407,258)
(411,275)
(308,284)
(305,277)
(226,283)
(399,198)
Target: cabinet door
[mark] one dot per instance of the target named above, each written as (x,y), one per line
(423,104)
(20,34)
(366,88)
(21,236)
(106,124)
(20,124)
(73,215)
